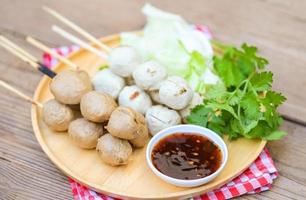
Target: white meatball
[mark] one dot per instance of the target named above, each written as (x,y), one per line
(160,117)
(149,75)
(154,94)
(196,100)
(175,93)
(135,98)
(108,82)
(123,60)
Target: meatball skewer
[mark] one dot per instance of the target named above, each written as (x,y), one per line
(67,86)
(57,116)
(123,60)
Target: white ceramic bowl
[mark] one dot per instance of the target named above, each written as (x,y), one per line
(187,129)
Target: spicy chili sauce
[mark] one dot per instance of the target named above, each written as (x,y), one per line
(186,156)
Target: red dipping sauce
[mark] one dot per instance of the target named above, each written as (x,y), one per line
(186,156)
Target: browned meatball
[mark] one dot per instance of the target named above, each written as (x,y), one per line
(141,140)
(126,123)
(114,151)
(84,133)
(97,106)
(56,115)
(69,86)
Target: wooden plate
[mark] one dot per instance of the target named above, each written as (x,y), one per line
(134,180)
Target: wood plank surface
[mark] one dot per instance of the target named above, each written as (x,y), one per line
(278,28)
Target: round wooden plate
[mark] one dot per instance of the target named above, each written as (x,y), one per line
(134,180)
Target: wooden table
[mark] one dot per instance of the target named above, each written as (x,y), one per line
(278,28)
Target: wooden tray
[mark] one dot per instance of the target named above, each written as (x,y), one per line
(135,180)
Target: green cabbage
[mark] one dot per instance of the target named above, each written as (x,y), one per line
(170,40)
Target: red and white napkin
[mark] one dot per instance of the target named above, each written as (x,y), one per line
(257,178)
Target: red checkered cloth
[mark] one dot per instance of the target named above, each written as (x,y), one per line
(257,178)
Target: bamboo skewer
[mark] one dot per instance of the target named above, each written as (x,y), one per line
(20,55)
(20,94)
(78,41)
(25,56)
(77,29)
(7,41)
(43,47)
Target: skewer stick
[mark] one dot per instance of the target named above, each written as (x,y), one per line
(20,94)
(78,41)
(43,47)
(18,54)
(25,56)
(77,28)
(2,38)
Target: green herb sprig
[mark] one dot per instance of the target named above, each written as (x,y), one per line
(243,105)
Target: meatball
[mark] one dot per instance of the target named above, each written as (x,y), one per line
(175,93)
(141,140)
(126,123)
(84,133)
(154,94)
(113,151)
(160,117)
(149,75)
(135,98)
(56,115)
(97,106)
(123,60)
(106,81)
(69,86)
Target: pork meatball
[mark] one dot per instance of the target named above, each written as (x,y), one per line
(125,123)
(114,151)
(84,133)
(135,98)
(141,140)
(149,75)
(69,86)
(123,60)
(106,81)
(56,115)
(154,94)
(97,106)
(175,93)
(160,117)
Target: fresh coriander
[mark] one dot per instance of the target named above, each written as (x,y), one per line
(243,105)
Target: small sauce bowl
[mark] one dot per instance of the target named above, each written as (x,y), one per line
(187,129)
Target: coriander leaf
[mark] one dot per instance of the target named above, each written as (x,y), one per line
(244,105)
(268,108)
(275,135)
(215,106)
(251,51)
(251,106)
(216,91)
(228,71)
(235,129)
(248,125)
(262,81)
(235,98)
(275,98)
(245,65)
(261,130)
(216,123)
(199,115)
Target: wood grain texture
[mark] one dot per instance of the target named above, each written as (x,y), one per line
(277,27)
